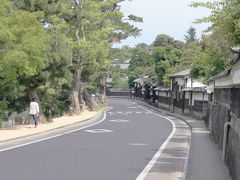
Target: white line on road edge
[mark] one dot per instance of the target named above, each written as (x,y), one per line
(149,166)
(137,144)
(55,136)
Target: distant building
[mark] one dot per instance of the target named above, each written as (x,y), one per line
(123,65)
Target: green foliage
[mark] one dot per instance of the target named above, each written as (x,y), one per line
(119,77)
(54,99)
(121,84)
(140,58)
(167,60)
(163,40)
(224,17)
(141,63)
(43,43)
(120,54)
(6,8)
(22,56)
(191,35)
(3,108)
(211,59)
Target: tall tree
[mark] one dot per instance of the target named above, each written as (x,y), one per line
(191,35)
(167,61)
(212,58)
(34,53)
(24,53)
(163,40)
(55,28)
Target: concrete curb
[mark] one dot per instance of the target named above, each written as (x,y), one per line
(94,118)
(186,164)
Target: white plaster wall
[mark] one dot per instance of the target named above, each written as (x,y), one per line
(197,84)
(224,81)
(194,83)
(187,95)
(232,79)
(189,82)
(180,81)
(199,96)
(162,93)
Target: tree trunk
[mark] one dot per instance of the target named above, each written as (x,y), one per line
(103,90)
(77,98)
(75,103)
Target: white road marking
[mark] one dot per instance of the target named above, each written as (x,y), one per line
(55,136)
(148,113)
(119,120)
(129,112)
(138,112)
(149,166)
(99,131)
(122,113)
(133,107)
(137,144)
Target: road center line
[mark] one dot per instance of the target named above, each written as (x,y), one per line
(153,161)
(119,120)
(97,131)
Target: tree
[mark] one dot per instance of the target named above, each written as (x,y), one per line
(224,18)
(167,60)
(23,56)
(31,56)
(191,35)
(212,58)
(90,25)
(163,40)
(141,63)
(140,58)
(120,54)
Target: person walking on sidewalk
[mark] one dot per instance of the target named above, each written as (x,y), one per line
(34,111)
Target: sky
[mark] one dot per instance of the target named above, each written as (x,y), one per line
(171,17)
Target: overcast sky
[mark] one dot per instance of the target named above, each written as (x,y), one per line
(171,17)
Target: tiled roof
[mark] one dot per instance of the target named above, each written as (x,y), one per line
(181,73)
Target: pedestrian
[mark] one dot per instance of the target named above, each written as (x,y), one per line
(34,112)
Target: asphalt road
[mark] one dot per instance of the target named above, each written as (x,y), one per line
(118,147)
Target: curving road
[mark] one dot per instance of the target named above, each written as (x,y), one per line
(118,147)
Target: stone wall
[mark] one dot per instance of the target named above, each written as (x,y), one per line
(232,157)
(119,93)
(225,108)
(219,116)
(220,113)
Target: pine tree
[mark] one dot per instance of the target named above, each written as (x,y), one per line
(191,35)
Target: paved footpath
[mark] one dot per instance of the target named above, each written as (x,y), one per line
(20,131)
(204,159)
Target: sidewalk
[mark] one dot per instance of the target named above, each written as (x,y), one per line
(204,159)
(24,130)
